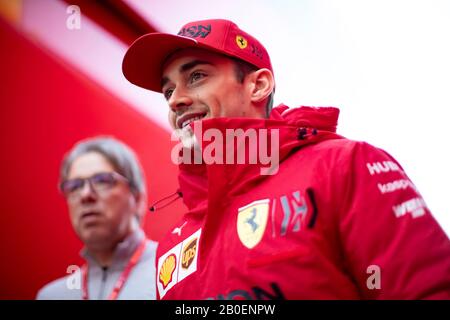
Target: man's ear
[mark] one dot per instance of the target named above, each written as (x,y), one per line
(263,85)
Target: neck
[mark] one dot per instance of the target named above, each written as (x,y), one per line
(103,253)
(103,257)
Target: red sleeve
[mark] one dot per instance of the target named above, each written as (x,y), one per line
(393,246)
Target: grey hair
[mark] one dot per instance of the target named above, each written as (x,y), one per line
(121,157)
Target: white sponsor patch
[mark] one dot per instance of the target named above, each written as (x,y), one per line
(416,207)
(189,255)
(178,263)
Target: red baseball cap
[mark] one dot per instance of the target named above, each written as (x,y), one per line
(142,63)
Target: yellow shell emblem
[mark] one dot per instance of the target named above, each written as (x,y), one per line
(241,42)
(167,269)
(252,221)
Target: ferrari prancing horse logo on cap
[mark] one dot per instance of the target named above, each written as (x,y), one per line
(252,221)
(241,42)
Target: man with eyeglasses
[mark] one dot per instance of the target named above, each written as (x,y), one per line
(104,186)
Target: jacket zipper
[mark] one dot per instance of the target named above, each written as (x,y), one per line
(102,285)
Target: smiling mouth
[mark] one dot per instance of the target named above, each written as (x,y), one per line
(185,120)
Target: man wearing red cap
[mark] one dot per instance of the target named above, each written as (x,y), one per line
(329,218)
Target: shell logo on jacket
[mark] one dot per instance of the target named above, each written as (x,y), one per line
(167,269)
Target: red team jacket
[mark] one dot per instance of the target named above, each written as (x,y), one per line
(339,220)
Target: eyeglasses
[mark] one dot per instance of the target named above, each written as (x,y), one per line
(98,182)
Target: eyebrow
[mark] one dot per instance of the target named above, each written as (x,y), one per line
(185,67)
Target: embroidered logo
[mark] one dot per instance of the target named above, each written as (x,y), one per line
(167,269)
(195,31)
(295,210)
(241,42)
(178,230)
(178,263)
(252,221)
(188,254)
(416,207)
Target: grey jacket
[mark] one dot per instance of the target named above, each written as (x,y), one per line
(140,284)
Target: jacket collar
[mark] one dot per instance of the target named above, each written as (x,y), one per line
(210,181)
(123,252)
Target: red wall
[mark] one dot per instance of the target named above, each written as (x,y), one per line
(46,106)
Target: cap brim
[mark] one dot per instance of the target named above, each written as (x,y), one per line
(143,61)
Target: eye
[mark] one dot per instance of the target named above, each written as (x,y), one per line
(168,93)
(196,75)
(72,185)
(103,179)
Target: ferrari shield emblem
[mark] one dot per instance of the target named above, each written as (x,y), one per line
(241,42)
(252,221)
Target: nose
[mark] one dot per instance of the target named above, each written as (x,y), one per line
(180,100)
(87,192)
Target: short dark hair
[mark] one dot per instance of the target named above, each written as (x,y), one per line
(242,69)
